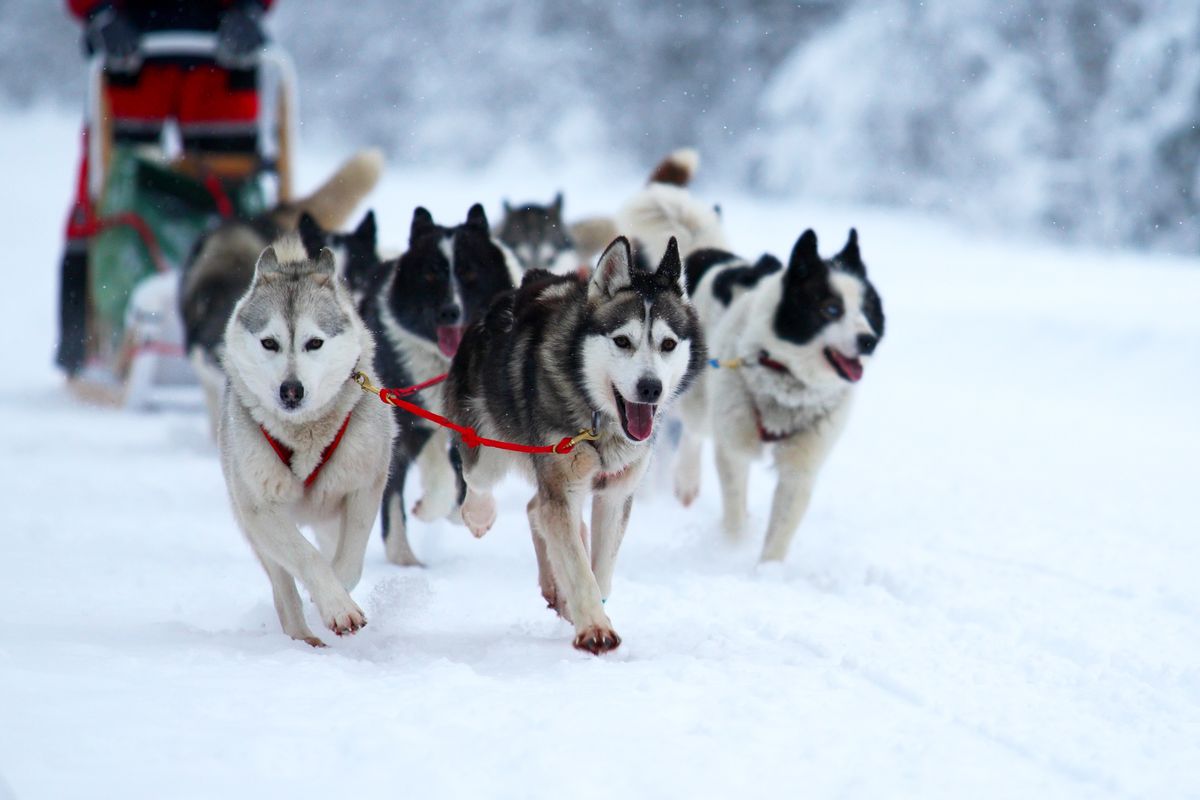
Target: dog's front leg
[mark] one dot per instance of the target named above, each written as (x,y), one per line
(358,515)
(733,469)
(558,513)
(287,602)
(277,539)
(797,460)
(610,518)
(438,480)
(545,570)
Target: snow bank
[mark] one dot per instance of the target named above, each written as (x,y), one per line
(993,595)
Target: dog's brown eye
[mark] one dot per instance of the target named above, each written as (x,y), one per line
(623,342)
(668,345)
(831,309)
(314,344)
(271,343)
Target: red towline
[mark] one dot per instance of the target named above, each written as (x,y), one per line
(470,437)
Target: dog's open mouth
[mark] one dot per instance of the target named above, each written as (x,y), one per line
(850,369)
(449,338)
(637,419)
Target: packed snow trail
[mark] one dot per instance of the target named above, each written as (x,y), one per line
(994,593)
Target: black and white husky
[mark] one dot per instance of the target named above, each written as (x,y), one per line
(300,443)
(418,314)
(555,356)
(792,343)
(538,236)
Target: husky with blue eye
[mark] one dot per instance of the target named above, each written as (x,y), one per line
(792,343)
(300,442)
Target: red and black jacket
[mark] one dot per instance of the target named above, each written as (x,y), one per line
(165,15)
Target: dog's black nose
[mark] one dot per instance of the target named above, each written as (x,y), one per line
(866,343)
(291,393)
(449,314)
(649,390)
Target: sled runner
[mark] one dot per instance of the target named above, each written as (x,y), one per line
(140,210)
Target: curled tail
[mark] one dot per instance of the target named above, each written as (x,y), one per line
(665,208)
(678,168)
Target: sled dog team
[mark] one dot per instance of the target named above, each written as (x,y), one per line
(285,314)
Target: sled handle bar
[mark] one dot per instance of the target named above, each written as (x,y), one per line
(183,44)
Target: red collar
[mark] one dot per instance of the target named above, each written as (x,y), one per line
(285,453)
(765,360)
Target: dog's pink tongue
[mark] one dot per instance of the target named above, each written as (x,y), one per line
(639,420)
(851,367)
(449,338)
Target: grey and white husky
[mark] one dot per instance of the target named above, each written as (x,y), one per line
(300,442)
(555,356)
(793,342)
(221,264)
(539,237)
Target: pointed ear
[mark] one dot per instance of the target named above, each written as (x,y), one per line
(767,264)
(612,270)
(326,266)
(477,219)
(556,206)
(507,207)
(805,258)
(422,223)
(267,268)
(850,257)
(670,269)
(366,229)
(312,236)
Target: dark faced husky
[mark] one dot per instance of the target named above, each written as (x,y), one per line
(355,253)
(418,315)
(221,264)
(793,343)
(539,237)
(556,356)
(300,443)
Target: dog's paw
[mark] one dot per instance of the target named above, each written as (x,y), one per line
(434,506)
(687,484)
(343,616)
(311,641)
(597,639)
(479,512)
(556,602)
(734,528)
(686,495)
(399,552)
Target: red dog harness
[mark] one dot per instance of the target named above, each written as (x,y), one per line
(285,453)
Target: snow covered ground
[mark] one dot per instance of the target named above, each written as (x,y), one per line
(994,593)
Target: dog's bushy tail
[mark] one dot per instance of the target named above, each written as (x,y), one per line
(665,208)
(332,202)
(678,168)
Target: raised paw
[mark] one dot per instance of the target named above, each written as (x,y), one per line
(597,640)
(686,495)
(479,512)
